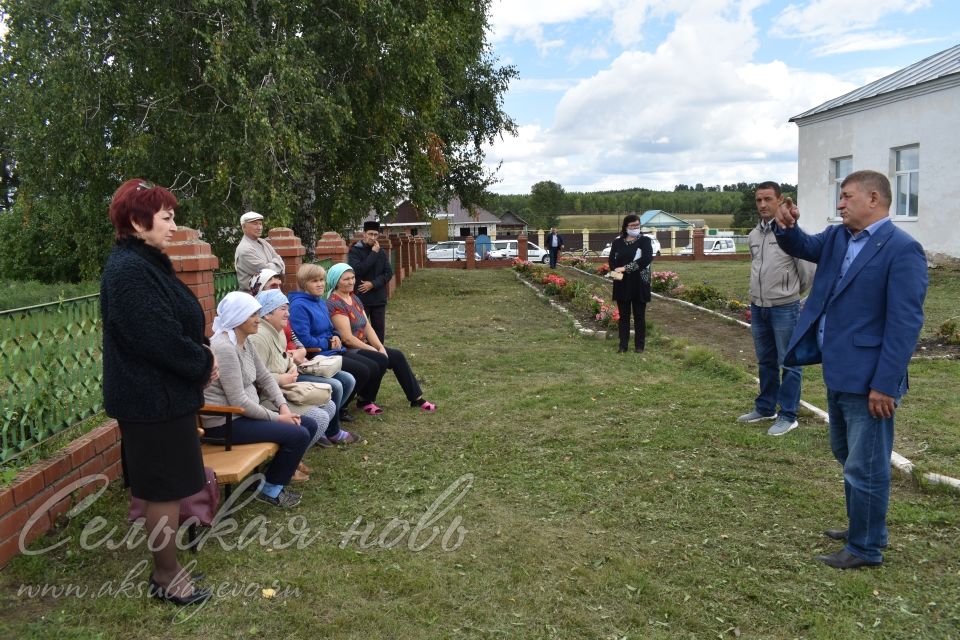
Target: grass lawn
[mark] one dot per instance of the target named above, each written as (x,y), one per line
(17,293)
(601,496)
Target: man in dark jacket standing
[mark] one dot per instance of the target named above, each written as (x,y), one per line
(554,246)
(373,270)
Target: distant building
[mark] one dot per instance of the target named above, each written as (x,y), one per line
(658,219)
(461,222)
(511,225)
(906,125)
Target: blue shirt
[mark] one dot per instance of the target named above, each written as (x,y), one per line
(855,244)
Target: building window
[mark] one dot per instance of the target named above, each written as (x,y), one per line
(907,188)
(840,169)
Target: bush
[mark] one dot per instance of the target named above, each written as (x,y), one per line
(949,331)
(553,283)
(703,295)
(664,281)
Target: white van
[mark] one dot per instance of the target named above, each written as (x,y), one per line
(508,249)
(712,246)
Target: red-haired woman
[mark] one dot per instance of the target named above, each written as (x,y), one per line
(156,365)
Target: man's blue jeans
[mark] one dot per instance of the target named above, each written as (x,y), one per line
(772,328)
(862,444)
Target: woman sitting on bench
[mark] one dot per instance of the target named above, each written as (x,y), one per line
(241,375)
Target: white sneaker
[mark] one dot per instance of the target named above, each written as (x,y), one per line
(782,426)
(755,416)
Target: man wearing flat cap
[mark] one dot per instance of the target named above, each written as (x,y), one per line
(253,253)
(373,271)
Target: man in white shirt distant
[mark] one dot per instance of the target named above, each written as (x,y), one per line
(253,253)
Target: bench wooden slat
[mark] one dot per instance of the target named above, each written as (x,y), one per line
(233,466)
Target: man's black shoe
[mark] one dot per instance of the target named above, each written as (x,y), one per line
(843,559)
(346,416)
(836,534)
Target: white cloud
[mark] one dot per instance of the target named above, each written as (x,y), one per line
(830,18)
(696,109)
(868,41)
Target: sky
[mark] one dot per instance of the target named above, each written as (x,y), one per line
(614,94)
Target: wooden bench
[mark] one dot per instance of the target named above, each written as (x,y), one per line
(231,462)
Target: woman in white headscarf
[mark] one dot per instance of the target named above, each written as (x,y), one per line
(243,381)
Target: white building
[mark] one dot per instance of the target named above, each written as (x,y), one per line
(906,125)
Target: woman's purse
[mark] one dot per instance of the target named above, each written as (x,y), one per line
(307,393)
(322,366)
(202,505)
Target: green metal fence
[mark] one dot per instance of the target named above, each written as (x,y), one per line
(50,370)
(223,283)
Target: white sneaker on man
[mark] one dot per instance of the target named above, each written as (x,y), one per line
(755,416)
(782,426)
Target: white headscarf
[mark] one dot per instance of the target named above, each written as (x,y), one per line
(233,311)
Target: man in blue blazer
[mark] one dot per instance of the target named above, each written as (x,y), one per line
(862,321)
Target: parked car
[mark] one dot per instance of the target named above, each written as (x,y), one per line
(508,249)
(449,251)
(712,246)
(653,242)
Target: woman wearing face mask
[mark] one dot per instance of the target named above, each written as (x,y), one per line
(630,255)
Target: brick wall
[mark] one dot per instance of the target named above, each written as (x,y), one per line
(96,452)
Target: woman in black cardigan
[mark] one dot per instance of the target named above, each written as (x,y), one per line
(156,364)
(630,255)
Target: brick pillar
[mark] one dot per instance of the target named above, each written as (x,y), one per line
(522,246)
(406,248)
(195,264)
(586,239)
(399,270)
(698,243)
(291,249)
(420,251)
(390,249)
(331,246)
(541,234)
(470,248)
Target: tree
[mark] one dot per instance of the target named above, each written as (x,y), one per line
(546,203)
(310,113)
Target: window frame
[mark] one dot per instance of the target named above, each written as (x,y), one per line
(835,181)
(913,179)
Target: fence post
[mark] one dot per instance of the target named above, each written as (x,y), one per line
(330,246)
(522,246)
(399,273)
(470,244)
(291,249)
(586,240)
(698,244)
(540,239)
(194,263)
(393,258)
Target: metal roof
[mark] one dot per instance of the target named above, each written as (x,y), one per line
(938,65)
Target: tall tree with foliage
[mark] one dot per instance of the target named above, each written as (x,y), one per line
(546,203)
(312,113)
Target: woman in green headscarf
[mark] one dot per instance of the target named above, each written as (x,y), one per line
(353,325)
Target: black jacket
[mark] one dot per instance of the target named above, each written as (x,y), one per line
(373,266)
(154,363)
(622,253)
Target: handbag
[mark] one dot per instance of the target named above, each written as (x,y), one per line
(307,393)
(322,366)
(202,505)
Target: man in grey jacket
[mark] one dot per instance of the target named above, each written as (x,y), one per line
(776,282)
(253,253)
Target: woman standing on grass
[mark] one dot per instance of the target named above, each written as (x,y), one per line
(156,364)
(630,256)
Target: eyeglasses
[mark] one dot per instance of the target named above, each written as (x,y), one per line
(145,186)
